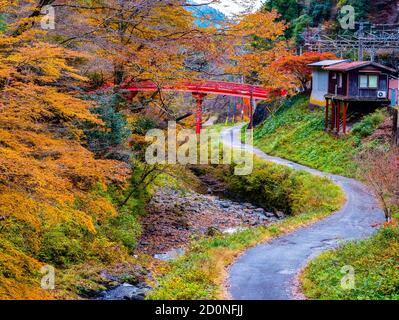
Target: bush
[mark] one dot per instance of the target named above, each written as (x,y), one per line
(279,188)
(268,186)
(116,129)
(124,229)
(143,125)
(3,23)
(368,124)
(375,262)
(62,248)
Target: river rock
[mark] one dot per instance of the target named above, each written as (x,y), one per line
(233,230)
(270,215)
(213,231)
(126,292)
(225,204)
(280,215)
(176,215)
(260,211)
(170,255)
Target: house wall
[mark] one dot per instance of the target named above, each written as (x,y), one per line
(333,87)
(353,84)
(356,91)
(319,88)
(394,92)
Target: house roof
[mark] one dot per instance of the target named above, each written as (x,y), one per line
(352,65)
(325,63)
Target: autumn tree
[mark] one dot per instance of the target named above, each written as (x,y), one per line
(380,168)
(48,212)
(143,40)
(296,68)
(257,42)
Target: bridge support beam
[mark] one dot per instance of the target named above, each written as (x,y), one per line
(199,97)
(252,108)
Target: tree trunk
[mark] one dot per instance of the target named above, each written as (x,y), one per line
(119,74)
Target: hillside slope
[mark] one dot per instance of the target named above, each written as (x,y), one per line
(296,133)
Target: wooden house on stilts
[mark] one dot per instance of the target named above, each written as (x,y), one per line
(347,84)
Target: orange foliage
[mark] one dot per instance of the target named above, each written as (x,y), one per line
(251,55)
(263,55)
(296,67)
(142,40)
(18,275)
(44,169)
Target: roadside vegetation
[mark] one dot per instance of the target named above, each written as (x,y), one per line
(374,261)
(200,273)
(375,264)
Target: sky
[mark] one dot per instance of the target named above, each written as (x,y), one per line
(232,7)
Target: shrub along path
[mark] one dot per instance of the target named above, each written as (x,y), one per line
(268,271)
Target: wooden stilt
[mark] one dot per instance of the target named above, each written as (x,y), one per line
(346,105)
(326,119)
(332,120)
(338,119)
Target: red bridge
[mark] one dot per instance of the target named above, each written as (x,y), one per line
(200,89)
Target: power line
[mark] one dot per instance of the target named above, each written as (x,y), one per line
(365,38)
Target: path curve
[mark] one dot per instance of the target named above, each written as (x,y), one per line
(268,271)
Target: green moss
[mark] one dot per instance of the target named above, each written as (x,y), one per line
(124,229)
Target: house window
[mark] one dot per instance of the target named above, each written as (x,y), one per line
(373,82)
(368,81)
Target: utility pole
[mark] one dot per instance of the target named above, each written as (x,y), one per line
(361,35)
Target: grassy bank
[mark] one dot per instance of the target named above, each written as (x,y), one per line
(200,273)
(297,134)
(375,264)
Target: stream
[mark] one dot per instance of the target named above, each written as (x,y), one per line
(177,217)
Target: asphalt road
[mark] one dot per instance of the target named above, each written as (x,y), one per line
(268,271)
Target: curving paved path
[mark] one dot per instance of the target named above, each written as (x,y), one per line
(268,271)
